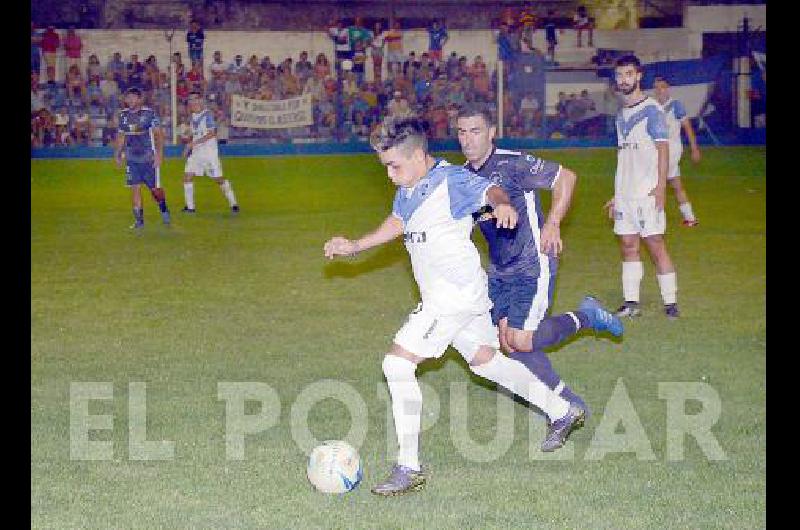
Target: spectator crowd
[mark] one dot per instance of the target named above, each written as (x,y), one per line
(370,76)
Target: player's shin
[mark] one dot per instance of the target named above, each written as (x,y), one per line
(160,197)
(188,194)
(514,376)
(668,283)
(406,407)
(557,329)
(632,273)
(227,190)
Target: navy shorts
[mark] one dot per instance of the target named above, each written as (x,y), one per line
(142,173)
(524,300)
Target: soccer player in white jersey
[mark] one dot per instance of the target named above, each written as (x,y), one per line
(640,188)
(676,116)
(202,154)
(432,210)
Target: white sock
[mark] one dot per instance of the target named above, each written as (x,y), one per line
(406,407)
(514,376)
(188,194)
(669,287)
(228,192)
(632,273)
(686,210)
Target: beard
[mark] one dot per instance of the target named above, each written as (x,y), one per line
(627,91)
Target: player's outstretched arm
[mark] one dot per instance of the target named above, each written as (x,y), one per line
(505,214)
(689,130)
(390,229)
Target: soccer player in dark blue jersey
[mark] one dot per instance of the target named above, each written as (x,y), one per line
(524,261)
(140,143)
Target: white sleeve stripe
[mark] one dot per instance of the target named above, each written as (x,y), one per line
(553,185)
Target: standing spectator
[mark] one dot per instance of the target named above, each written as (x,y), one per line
(376,44)
(398,106)
(583,23)
(437,38)
(76,88)
(340,36)
(452,65)
(505,45)
(530,109)
(480,80)
(37,99)
(73,47)
(322,68)
(116,67)
(50,43)
(180,69)
(394,48)
(151,73)
(36,48)
(196,81)
(82,127)
(237,65)
(253,65)
(550,35)
(290,84)
(195,39)
(358,34)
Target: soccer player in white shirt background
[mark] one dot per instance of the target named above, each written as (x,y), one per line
(432,210)
(202,154)
(640,188)
(675,114)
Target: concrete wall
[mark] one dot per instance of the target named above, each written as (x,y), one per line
(724,18)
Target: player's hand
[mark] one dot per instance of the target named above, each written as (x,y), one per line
(340,246)
(696,155)
(506,216)
(609,208)
(551,243)
(660,193)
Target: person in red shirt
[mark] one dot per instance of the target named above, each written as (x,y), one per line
(50,43)
(72,47)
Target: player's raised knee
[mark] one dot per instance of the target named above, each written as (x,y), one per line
(483,356)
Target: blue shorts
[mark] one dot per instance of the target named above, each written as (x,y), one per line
(524,300)
(142,173)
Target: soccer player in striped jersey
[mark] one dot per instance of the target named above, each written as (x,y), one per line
(140,143)
(202,154)
(675,114)
(524,259)
(432,210)
(637,207)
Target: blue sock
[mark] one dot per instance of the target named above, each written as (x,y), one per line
(162,205)
(557,329)
(138,215)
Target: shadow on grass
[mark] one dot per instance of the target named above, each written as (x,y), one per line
(352,267)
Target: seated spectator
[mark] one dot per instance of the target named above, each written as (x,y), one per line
(162,97)
(587,101)
(330,87)
(217,67)
(37,97)
(42,129)
(289,83)
(254,65)
(110,90)
(349,84)
(134,71)
(116,67)
(315,88)
(93,68)
(82,127)
(531,113)
(61,122)
(195,79)
(439,121)
(322,67)
(237,65)
(110,129)
(266,64)
(94,94)
(303,70)
(398,106)
(76,88)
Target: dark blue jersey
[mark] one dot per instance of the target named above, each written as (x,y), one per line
(139,126)
(516,252)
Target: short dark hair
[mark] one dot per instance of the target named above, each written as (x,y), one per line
(134,90)
(661,78)
(396,131)
(195,93)
(469,111)
(629,60)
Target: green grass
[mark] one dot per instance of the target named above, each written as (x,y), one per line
(216,298)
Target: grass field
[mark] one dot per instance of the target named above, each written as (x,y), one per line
(216,298)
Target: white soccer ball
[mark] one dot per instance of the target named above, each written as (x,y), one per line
(334,467)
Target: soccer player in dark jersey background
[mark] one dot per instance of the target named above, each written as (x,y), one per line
(140,143)
(524,261)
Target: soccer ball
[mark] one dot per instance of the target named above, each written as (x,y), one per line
(334,467)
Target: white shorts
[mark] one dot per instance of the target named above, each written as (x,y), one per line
(675,153)
(428,334)
(638,216)
(201,164)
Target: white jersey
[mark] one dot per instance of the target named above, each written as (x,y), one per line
(437,222)
(202,123)
(639,127)
(675,113)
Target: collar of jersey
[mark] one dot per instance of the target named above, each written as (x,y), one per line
(475,170)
